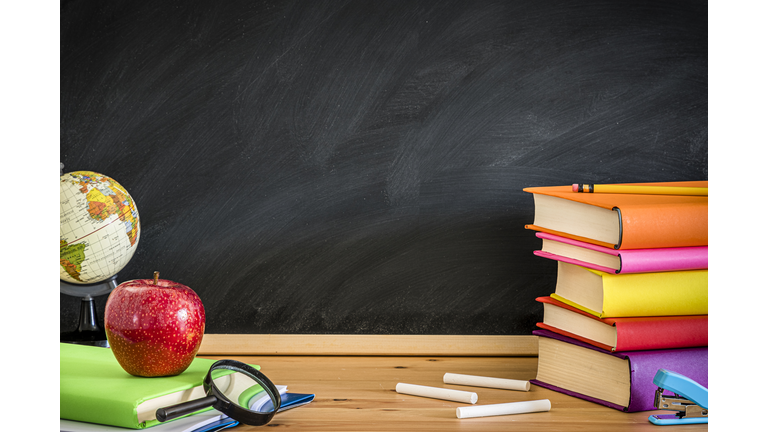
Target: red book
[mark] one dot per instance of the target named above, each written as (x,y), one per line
(624,334)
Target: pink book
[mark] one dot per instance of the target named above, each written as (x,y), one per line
(621,261)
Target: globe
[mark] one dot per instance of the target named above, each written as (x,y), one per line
(100,228)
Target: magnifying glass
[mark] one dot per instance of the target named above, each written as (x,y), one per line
(229,387)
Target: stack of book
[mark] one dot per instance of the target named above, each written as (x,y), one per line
(631,292)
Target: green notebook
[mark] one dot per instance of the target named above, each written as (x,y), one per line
(94,388)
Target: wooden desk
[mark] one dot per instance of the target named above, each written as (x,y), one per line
(357,393)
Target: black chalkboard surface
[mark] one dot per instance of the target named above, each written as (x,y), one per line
(357,167)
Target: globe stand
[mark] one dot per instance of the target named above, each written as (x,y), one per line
(88,331)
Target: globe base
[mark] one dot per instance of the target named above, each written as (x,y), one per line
(85,338)
(88,331)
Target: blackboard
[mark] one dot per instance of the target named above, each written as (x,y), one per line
(357,167)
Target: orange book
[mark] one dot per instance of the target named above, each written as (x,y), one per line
(623,221)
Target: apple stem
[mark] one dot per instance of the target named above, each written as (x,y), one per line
(157,275)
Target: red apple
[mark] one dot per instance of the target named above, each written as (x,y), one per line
(154,326)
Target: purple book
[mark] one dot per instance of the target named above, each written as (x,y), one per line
(691,362)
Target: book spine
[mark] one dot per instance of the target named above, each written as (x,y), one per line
(690,362)
(648,334)
(680,225)
(655,294)
(662,260)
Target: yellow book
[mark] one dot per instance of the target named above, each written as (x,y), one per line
(608,295)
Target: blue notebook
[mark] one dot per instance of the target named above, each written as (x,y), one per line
(218,425)
(287,401)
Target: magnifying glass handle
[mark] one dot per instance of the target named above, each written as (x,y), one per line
(184,408)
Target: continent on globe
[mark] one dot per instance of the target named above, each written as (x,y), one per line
(72,258)
(106,198)
(99,228)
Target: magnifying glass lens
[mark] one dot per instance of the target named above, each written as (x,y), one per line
(239,388)
(233,388)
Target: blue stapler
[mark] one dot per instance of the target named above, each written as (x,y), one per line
(691,400)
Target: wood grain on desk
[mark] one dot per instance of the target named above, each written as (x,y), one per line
(357,393)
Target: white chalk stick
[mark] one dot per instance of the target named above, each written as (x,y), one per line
(504,409)
(436,393)
(479,381)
